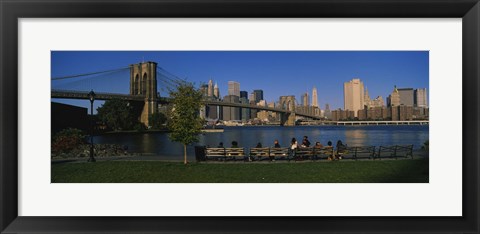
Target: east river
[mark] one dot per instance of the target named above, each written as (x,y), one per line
(160,145)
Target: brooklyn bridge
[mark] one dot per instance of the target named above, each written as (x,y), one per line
(145,81)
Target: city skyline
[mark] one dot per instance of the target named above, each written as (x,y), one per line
(277,73)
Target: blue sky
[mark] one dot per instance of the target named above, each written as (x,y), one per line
(277,73)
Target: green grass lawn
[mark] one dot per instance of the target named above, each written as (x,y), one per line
(365,171)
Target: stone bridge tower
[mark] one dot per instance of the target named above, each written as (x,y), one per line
(143,82)
(287,103)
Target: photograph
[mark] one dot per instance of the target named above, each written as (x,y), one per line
(239,116)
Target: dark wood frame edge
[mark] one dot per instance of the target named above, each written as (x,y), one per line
(11,11)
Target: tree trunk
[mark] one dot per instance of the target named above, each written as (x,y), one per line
(185,154)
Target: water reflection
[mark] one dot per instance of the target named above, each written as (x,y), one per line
(356,137)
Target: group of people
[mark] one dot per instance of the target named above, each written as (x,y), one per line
(306,143)
(294,145)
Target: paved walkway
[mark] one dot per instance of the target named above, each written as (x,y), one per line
(150,157)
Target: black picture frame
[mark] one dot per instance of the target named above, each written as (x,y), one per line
(11,11)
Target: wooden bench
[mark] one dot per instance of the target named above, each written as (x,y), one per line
(259,153)
(235,153)
(395,151)
(302,153)
(279,153)
(356,152)
(215,153)
(323,153)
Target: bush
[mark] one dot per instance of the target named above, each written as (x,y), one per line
(139,127)
(67,140)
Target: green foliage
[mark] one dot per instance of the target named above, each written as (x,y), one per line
(139,127)
(117,114)
(67,140)
(156,120)
(184,122)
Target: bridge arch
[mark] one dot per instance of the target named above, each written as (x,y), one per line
(144,84)
(136,89)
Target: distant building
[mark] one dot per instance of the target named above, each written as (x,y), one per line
(244,94)
(314,97)
(216,91)
(234,88)
(210,88)
(212,112)
(377,102)
(253,112)
(204,89)
(231,113)
(339,115)
(328,113)
(353,95)
(305,99)
(406,96)
(421,98)
(257,95)
(272,115)
(367,102)
(394,98)
(244,112)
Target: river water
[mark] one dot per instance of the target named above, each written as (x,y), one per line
(160,144)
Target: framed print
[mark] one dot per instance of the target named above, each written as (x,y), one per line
(418,60)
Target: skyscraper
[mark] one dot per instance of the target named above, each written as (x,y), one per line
(305,99)
(406,96)
(210,88)
(216,92)
(366,99)
(394,98)
(244,112)
(258,95)
(314,97)
(353,95)
(421,98)
(244,94)
(377,102)
(234,88)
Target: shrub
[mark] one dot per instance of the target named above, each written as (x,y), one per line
(139,127)
(425,145)
(67,140)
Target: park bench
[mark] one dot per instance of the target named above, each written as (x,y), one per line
(214,153)
(323,153)
(304,153)
(259,153)
(356,152)
(235,153)
(279,153)
(395,151)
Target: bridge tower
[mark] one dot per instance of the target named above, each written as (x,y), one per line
(143,81)
(287,103)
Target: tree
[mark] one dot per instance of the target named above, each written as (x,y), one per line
(184,122)
(117,114)
(156,120)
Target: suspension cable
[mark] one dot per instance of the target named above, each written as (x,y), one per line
(88,74)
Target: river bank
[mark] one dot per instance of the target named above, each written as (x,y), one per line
(100,151)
